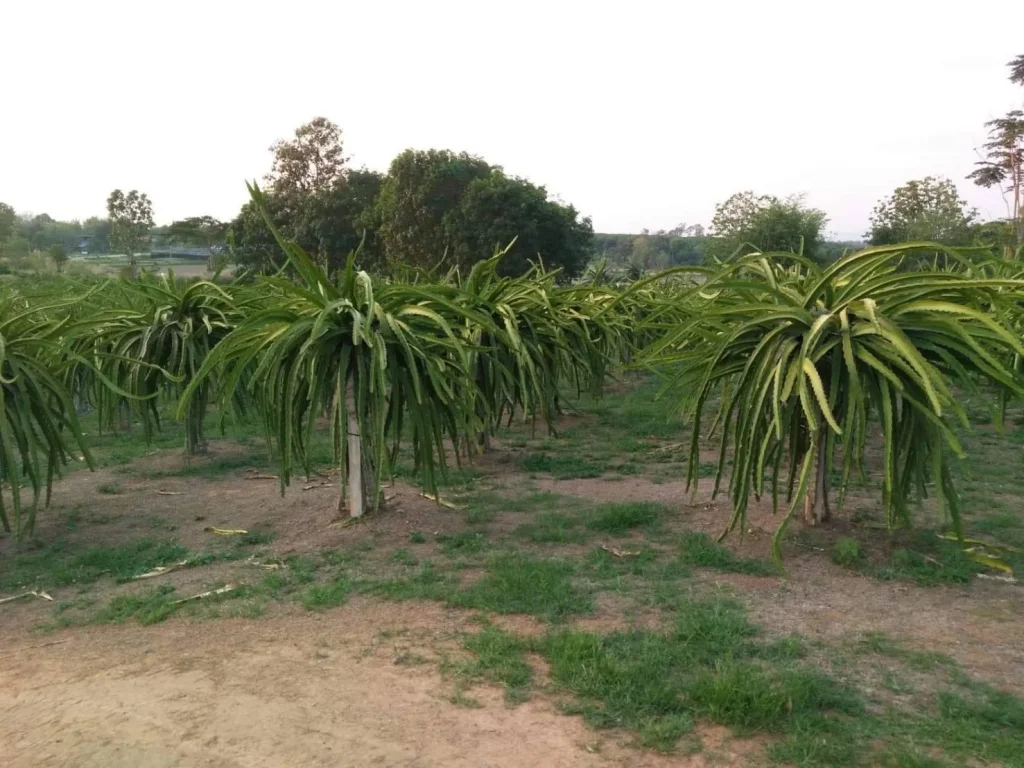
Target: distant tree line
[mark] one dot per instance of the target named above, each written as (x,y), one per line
(20,235)
(433,209)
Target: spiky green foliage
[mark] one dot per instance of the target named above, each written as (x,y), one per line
(386,353)
(39,429)
(150,338)
(804,360)
(536,338)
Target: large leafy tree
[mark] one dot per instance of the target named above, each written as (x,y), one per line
(313,199)
(203,232)
(923,209)
(1002,161)
(806,364)
(131,219)
(7,218)
(309,163)
(337,221)
(422,189)
(749,222)
(502,212)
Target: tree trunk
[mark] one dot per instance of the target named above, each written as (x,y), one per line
(816,501)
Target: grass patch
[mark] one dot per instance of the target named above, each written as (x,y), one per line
(523,584)
(563,467)
(110,489)
(701,550)
(622,518)
(54,566)
(931,561)
(403,556)
(321,597)
(552,528)
(847,551)
(462,543)
(146,608)
(497,657)
(215,466)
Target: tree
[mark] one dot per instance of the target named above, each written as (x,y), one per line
(7,218)
(1017,70)
(334,222)
(421,188)
(311,162)
(1002,163)
(203,232)
(926,209)
(131,218)
(498,211)
(747,222)
(59,255)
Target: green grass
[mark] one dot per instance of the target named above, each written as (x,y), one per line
(110,489)
(552,528)
(497,657)
(209,467)
(847,551)
(518,583)
(417,537)
(57,566)
(622,518)
(700,550)
(148,607)
(929,561)
(563,466)
(321,597)
(462,543)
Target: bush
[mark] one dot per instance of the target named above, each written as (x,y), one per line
(847,551)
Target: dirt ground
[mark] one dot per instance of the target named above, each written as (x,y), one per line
(338,688)
(305,690)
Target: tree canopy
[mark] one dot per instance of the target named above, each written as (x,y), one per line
(1002,161)
(925,209)
(747,222)
(434,208)
(500,210)
(131,218)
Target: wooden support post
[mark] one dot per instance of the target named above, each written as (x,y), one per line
(356,493)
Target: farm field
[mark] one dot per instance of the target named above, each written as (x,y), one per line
(566,604)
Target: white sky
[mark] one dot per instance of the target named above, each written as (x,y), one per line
(641,114)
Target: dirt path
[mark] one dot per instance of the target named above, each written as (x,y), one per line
(304,690)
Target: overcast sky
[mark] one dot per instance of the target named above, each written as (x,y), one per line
(640,114)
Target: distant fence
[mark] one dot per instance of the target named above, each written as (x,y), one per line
(179,252)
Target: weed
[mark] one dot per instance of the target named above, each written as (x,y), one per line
(110,489)
(320,597)
(255,538)
(524,584)
(620,518)
(700,550)
(498,657)
(462,543)
(551,528)
(416,537)
(847,551)
(146,608)
(946,563)
(404,557)
(563,467)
